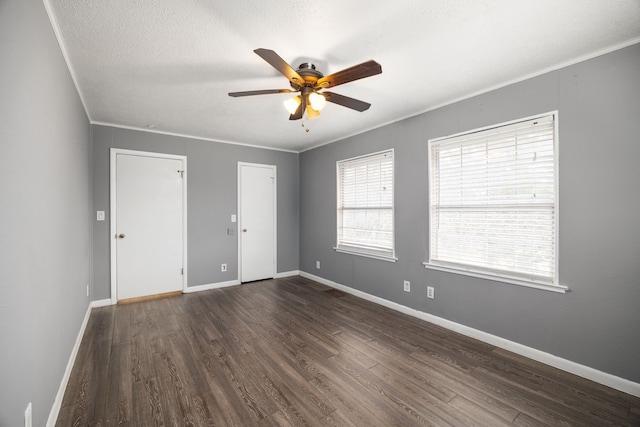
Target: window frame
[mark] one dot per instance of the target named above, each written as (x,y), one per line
(486,273)
(362,251)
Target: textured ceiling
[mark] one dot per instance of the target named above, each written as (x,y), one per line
(171,63)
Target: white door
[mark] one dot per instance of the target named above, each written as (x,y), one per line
(147,224)
(257,221)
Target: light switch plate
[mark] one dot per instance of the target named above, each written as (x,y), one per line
(100,215)
(233,218)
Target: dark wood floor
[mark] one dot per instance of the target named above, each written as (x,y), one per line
(294,352)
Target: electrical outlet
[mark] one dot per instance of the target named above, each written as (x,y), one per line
(223,267)
(407,286)
(318,265)
(28,416)
(430,292)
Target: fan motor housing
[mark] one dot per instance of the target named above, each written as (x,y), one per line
(309,73)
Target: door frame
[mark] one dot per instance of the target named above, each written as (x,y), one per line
(274,168)
(112,212)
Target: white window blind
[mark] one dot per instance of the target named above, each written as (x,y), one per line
(365,205)
(493,201)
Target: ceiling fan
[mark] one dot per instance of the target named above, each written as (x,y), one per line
(309,82)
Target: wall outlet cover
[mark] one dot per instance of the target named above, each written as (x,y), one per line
(430,292)
(407,286)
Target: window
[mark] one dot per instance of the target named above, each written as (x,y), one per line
(365,205)
(493,202)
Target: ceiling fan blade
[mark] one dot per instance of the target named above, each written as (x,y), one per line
(360,71)
(279,64)
(260,92)
(300,111)
(345,101)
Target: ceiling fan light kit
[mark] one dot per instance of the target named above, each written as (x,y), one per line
(307,82)
(291,104)
(317,101)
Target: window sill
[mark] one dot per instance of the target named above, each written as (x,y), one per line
(367,255)
(525,283)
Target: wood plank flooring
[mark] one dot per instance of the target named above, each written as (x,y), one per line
(294,352)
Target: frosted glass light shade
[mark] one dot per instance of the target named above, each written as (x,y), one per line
(291,104)
(317,101)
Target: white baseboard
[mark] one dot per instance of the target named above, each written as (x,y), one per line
(287,274)
(200,288)
(57,403)
(101,303)
(600,377)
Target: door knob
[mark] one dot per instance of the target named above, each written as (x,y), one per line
(121,236)
(244,230)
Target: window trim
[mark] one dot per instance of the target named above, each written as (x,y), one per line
(366,255)
(502,276)
(352,250)
(495,278)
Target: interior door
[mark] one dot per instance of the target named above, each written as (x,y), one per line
(148,224)
(257,221)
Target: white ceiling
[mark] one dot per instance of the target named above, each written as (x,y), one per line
(171,63)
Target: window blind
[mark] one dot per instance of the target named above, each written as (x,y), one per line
(365,205)
(492,201)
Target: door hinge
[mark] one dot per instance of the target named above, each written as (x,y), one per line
(181,174)
(182,271)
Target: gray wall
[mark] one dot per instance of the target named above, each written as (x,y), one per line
(47,213)
(45,239)
(596,324)
(211,199)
